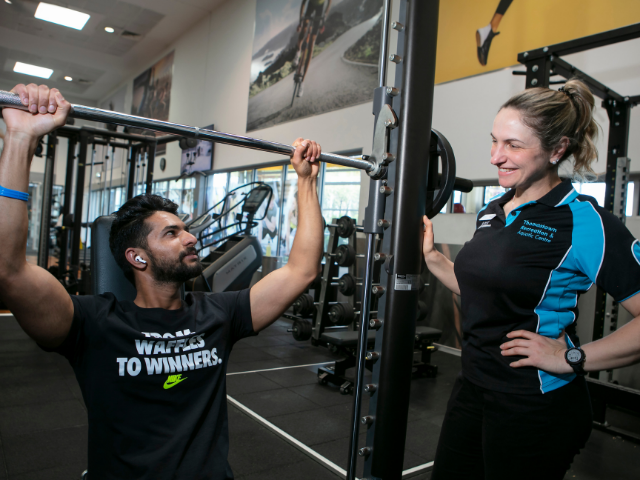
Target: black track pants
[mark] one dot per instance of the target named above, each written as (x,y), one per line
(495,436)
(503,6)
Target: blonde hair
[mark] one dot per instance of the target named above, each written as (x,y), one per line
(568,112)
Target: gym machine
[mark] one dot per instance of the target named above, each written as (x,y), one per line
(73,270)
(403,187)
(542,64)
(231,265)
(335,324)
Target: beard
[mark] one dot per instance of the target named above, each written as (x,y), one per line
(165,270)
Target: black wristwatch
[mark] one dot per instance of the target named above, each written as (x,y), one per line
(576,357)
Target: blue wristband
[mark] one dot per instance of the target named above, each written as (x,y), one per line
(7,192)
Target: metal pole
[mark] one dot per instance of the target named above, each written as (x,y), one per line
(104,180)
(384,50)
(66,206)
(113,160)
(361,358)
(11,100)
(86,231)
(77,210)
(133,153)
(151,157)
(396,356)
(47,190)
(374,211)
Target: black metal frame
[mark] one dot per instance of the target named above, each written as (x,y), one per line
(542,64)
(72,223)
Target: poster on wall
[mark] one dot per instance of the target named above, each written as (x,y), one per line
(315,56)
(115,103)
(152,93)
(311,57)
(486,35)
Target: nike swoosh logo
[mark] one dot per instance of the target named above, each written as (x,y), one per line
(172,383)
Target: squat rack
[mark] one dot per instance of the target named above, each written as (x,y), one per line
(402,165)
(140,158)
(542,64)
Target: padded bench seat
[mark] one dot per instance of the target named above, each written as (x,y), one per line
(350,338)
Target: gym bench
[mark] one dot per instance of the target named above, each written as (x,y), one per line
(346,343)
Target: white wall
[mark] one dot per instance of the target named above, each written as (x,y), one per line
(211,83)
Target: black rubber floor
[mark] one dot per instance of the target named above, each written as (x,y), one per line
(43,423)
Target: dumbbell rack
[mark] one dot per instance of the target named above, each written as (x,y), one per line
(328,293)
(325,294)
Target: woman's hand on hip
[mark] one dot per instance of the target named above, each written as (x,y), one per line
(542,352)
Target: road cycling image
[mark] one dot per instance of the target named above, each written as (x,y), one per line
(312,57)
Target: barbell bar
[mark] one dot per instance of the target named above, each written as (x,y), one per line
(12,100)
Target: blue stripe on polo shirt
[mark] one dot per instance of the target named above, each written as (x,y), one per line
(555,314)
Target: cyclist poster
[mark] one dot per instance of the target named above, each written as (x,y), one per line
(315,56)
(312,57)
(152,93)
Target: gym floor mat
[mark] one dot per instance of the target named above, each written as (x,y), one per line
(43,429)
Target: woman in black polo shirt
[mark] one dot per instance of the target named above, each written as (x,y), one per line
(535,249)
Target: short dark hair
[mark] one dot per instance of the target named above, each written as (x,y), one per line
(129,229)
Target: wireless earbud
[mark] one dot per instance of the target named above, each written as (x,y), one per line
(139,259)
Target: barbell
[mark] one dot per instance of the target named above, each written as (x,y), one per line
(12,100)
(440,188)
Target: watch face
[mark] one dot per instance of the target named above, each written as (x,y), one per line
(574,355)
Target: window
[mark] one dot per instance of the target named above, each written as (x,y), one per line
(268,229)
(341,192)
(180,191)
(240,178)
(629,206)
(490,192)
(216,189)
(187,197)
(593,189)
(160,188)
(289,218)
(236,179)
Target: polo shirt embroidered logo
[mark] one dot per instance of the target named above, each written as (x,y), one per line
(173,380)
(537,231)
(485,224)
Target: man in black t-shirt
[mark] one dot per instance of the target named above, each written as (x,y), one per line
(152,371)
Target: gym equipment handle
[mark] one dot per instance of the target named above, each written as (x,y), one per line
(12,100)
(463,185)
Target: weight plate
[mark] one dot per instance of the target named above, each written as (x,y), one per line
(438,193)
(347,285)
(341,314)
(346,226)
(304,305)
(302,330)
(345,255)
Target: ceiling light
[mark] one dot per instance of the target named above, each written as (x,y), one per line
(109,29)
(8,1)
(32,70)
(62,16)
(68,78)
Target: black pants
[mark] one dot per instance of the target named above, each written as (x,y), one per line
(492,435)
(503,6)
